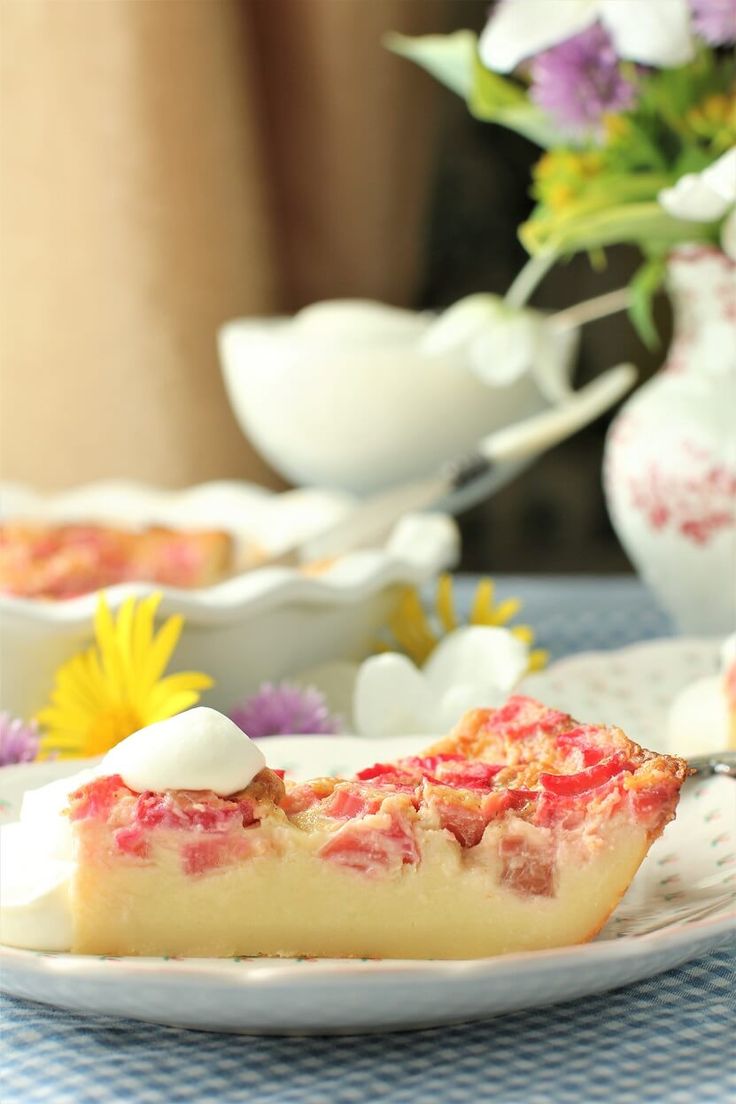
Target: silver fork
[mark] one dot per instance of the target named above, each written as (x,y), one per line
(718,762)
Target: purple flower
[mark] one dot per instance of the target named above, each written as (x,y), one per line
(579,81)
(275,710)
(19,741)
(715,20)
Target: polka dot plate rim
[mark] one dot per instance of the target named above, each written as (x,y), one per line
(631,687)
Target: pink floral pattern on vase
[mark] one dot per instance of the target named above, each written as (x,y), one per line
(670,461)
(698,506)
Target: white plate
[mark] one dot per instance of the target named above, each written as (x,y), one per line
(680,905)
(632,687)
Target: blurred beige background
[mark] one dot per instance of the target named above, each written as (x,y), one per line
(169,164)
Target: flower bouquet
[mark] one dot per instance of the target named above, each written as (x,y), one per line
(633,103)
(634,107)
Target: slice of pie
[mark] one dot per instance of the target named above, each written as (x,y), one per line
(522,830)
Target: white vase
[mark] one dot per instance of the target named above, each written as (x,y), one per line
(670,459)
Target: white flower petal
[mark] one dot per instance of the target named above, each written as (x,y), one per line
(653,32)
(460,324)
(392,698)
(728,235)
(477,654)
(517,30)
(692,198)
(721,176)
(505,350)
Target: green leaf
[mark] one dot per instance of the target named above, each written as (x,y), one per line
(644,285)
(496,99)
(644,224)
(640,149)
(606,190)
(453,60)
(449,58)
(597,258)
(492,93)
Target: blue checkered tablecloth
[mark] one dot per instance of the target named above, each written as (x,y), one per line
(669,1040)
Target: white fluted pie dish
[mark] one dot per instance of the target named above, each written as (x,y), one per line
(267,623)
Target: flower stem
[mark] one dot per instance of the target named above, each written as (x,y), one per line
(600,307)
(531,275)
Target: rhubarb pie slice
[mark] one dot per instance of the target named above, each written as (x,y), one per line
(522,830)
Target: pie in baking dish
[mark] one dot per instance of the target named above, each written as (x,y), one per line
(521,830)
(63,561)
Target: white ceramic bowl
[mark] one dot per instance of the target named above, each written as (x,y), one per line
(267,624)
(346,395)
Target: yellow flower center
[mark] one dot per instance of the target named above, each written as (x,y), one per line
(714,119)
(109,728)
(616,127)
(717,108)
(561,177)
(559,195)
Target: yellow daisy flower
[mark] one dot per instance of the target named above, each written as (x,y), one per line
(116,687)
(418,635)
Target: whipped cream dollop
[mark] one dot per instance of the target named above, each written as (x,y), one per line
(36,866)
(700,717)
(35,910)
(197,750)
